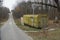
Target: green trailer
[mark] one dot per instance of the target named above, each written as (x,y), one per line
(37,21)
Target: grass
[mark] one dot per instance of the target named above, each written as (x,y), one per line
(0,25)
(50,35)
(2,20)
(25,28)
(41,35)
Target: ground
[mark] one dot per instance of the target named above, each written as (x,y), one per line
(49,35)
(2,21)
(41,34)
(10,31)
(0,24)
(26,28)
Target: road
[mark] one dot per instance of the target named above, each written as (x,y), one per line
(10,31)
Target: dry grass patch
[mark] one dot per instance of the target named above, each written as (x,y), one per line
(50,35)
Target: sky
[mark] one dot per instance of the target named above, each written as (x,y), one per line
(11,3)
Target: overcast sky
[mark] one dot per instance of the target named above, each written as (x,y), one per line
(11,3)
